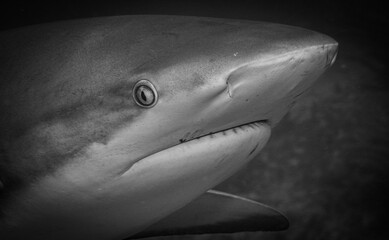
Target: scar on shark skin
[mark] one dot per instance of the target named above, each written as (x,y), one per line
(255,148)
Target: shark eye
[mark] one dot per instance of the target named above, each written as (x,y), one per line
(145,94)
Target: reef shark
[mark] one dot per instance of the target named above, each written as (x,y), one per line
(118,127)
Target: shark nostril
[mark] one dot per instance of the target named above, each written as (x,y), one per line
(334,56)
(229,90)
(332,53)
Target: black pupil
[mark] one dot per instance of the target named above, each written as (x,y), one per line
(143,95)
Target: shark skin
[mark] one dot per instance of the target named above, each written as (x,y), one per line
(88,151)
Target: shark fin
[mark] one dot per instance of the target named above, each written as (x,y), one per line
(218,212)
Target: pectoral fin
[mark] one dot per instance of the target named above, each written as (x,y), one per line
(218,212)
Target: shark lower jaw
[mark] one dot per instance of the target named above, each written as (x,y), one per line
(218,136)
(175,176)
(247,138)
(185,171)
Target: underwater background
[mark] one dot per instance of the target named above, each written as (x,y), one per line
(327,163)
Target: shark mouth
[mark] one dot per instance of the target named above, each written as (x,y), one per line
(226,131)
(254,134)
(249,137)
(177,175)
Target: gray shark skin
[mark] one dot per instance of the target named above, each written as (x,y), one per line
(86,154)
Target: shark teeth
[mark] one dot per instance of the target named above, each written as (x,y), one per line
(233,130)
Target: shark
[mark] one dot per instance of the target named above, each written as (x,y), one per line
(119,127)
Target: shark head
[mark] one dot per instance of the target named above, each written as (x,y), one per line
(112,124)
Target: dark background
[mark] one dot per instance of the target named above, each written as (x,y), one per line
(327,164)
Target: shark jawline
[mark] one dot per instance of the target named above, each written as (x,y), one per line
(210,134)
(225,130)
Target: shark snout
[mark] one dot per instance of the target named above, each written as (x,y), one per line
(269,85)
